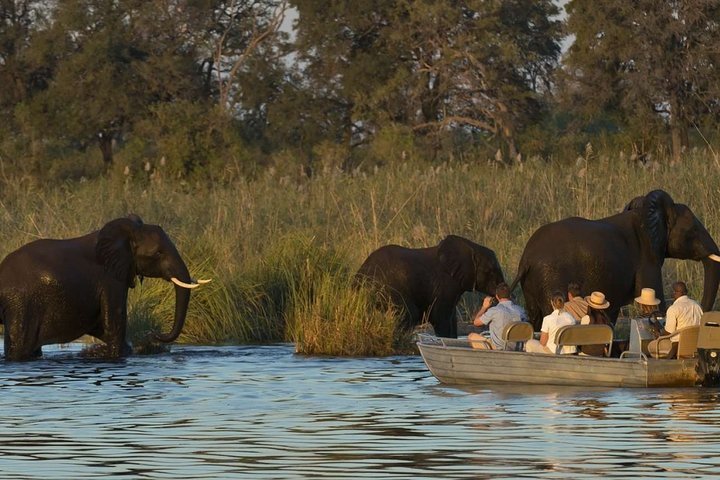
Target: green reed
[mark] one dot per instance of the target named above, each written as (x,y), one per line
(282,247)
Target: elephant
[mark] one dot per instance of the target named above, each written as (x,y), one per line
(426,283)
(617,255)
(54,291)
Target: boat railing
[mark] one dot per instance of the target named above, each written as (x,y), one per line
(631,354)
(427,339)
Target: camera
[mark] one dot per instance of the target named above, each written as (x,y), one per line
(493,301)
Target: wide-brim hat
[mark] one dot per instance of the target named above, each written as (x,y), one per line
(597,301)
(647,297)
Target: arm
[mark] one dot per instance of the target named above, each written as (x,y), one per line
(478,321)
(670,321)
(544,338)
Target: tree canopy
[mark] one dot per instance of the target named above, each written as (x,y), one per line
(211,85)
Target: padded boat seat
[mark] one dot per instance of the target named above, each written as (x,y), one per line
(685,338)
(519,333)
(709,335)
(580,335)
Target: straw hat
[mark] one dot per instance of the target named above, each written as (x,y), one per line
(597,301)
(647,297)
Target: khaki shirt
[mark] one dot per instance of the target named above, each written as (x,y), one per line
(577,307)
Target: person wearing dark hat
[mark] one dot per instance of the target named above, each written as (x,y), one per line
(597,304)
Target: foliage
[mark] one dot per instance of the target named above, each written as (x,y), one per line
(429,66)
(652,62)
(281,250)
(334,317)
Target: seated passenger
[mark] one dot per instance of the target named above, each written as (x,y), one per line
(597,304)
(684,312)
(496,318)
(550,325)
(648,309)
(576,305)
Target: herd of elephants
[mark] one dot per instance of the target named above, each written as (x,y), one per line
(54,291)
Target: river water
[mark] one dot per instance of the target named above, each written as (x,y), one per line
(264,412)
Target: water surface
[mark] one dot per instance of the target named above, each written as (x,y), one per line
(264,412)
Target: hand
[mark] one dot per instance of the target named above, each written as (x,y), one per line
(487,301)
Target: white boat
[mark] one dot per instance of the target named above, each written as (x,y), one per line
(454,361)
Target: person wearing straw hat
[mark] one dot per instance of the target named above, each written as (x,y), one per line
(648,303)
(597,304)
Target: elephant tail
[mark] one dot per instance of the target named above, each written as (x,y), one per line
(522,272)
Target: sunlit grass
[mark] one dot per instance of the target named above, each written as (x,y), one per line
(281,248)
(332,316)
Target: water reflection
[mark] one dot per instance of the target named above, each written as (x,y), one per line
(230,412)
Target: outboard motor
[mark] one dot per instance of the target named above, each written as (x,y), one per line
(708,348)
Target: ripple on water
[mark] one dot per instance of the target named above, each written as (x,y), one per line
(219,412)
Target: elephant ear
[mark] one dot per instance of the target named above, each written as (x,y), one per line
(635,204)
(115,248)
(457,258)
(658,216)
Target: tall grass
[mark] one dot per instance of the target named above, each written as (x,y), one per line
(281,248)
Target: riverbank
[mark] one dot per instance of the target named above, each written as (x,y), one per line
(282,248)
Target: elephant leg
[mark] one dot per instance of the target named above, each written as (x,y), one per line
(114,331)
(19,351)
(442,318)
(21,342)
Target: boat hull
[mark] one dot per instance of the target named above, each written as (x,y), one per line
(459,364)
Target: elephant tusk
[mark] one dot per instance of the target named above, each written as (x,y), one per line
(712,256)
(202,280)
(180,283)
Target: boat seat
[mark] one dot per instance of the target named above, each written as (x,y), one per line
(686,339)
(517,332)
(580,335)
(709,335)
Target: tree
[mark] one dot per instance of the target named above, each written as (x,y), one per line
(235,31)
(431,65)
(651,61)
(114,60)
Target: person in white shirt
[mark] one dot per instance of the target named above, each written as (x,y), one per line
(550,325)
(684,312)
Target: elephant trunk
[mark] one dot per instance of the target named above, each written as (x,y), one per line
(711,282)
(182,300)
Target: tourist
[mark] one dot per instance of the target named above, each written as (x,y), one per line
(576,305)
(684,312)
(496,318)
(550,326)
(596,315)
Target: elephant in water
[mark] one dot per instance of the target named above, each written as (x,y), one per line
(428,282)
(54,291)
(617,255)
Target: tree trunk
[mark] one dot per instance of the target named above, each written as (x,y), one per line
(676,134)
(105,142)
(678,129)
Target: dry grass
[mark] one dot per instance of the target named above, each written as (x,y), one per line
(281,248)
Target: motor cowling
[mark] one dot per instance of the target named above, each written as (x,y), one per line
(708,349)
